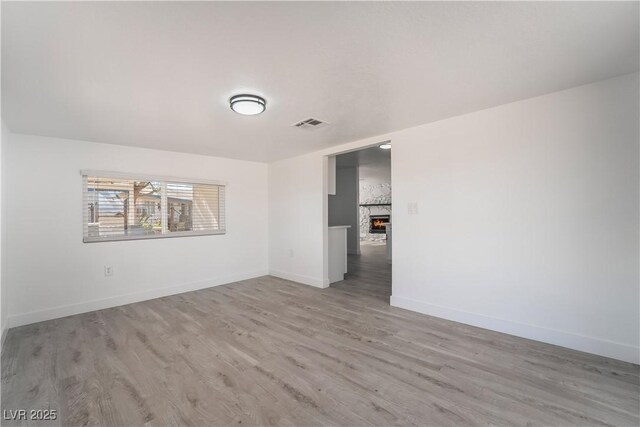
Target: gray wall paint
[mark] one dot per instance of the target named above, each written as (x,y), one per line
(343,207)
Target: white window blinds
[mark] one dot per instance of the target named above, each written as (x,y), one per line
(119,207)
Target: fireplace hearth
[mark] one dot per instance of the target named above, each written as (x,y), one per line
(376,223)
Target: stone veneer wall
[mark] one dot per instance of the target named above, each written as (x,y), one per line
(373,193)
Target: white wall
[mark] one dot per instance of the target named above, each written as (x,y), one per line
(297,220)
(51,273)
(343,206)
(3,287)
(528,217)
(3,283)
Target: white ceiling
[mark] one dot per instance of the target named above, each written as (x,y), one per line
(159,75)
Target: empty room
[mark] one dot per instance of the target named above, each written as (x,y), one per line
(320,213)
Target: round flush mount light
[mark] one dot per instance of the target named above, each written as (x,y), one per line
(386,146)
(247,105)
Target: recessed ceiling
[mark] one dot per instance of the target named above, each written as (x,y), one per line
(160,74)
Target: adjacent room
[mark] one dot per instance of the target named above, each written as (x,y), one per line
(320,213)
(360,214)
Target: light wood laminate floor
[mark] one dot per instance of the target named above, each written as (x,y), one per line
(369,274)
(268,351)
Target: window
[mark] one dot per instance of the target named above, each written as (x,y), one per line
(125,207)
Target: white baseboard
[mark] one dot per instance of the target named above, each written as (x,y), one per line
(84,307)
(614,350)
(306,280)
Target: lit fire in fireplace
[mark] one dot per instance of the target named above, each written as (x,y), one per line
(377,223)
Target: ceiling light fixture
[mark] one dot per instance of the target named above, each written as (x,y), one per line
(247,105)
(386,146)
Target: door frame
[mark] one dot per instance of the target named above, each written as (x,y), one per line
(325,202)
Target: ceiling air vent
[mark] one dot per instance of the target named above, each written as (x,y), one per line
(309,123)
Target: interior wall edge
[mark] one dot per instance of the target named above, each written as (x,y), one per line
(614,350)
(298,278)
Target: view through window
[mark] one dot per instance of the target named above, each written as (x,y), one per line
(121,209)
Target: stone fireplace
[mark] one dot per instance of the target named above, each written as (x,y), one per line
(375,201)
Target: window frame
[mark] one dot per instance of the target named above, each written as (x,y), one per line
(84,173)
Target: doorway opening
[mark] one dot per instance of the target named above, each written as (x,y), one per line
(362,202)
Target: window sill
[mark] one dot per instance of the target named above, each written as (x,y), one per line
(152,236)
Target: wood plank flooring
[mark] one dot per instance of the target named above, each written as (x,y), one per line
(268,351)
(369,274)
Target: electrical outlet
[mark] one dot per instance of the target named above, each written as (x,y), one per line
(108,270)
(291,253)
(412,208)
